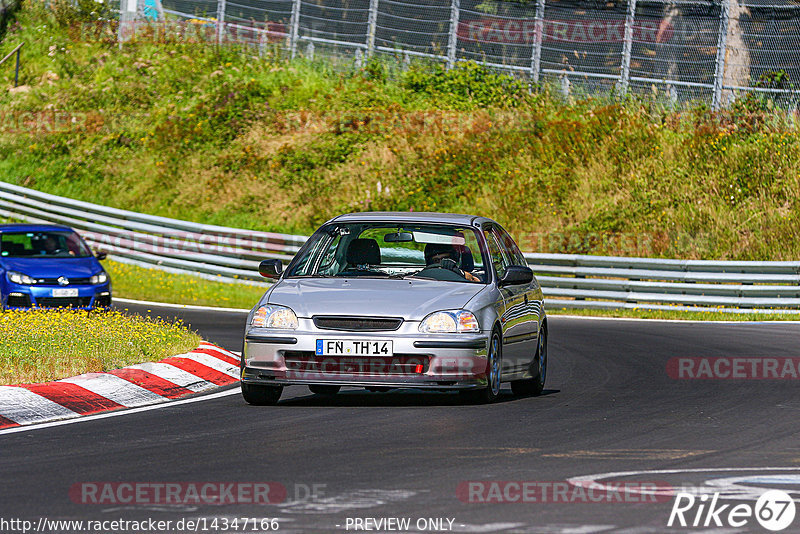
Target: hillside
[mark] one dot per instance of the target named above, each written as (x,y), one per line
(221,135)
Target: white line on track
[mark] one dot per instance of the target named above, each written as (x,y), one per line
(595,482)
(567,316)
(680,321)
(87,418)
(180,306)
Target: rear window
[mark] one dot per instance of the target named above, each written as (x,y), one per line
(48,244)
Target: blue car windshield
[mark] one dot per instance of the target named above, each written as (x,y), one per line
(45,244)
(386,250)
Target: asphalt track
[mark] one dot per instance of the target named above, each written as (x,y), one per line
(609,407)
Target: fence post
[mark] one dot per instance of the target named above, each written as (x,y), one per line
(625,75)
(220,20)
(16,69)
(722,45)
(372,22)
(452,42)
(536,55)
(128,11)
(295,28)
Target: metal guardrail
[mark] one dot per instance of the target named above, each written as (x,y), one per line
(568,280)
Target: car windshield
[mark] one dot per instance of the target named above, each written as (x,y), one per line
(384,250)
(44,244)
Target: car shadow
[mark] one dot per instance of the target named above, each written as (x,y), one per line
(355,398)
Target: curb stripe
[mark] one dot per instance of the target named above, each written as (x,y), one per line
(203,371)
(214,363)
(218,355)
(7,423)
(115,388)
(25,407)
(80,400)
(172,374)
(214,348)
(151,382)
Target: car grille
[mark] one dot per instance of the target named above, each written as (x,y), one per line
(54,281)
(397,365)
(18,301)
(356,324)
(63,302)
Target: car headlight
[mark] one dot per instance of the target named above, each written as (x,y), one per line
(19,278)
(454,321)
(99,278)
(272,316)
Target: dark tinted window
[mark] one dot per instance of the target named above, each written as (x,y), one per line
(52,244)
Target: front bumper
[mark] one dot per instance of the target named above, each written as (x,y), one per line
(450,362)
(20,297)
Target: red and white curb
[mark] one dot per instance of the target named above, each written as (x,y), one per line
(204,368)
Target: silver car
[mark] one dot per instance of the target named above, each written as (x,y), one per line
(388,300)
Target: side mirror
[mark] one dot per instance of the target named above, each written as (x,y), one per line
(516,275)
(100,255)
(270,268)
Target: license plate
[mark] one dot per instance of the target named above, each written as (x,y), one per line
(349,347)
(66,292)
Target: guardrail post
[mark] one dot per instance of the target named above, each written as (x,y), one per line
(294,29)
(220,20)
(538,37)
(625,74)
(452,42)
(722,45)
(372,22)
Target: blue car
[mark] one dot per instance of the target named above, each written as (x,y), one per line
(50,266)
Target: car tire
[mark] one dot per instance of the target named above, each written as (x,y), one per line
(534,386)
(494,370)
(319,389)
(259,395)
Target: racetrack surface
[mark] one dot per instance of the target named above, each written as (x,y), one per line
(609,406)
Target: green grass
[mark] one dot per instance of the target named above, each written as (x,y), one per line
(218,135)
(133,282)
(676,314)
(44,345)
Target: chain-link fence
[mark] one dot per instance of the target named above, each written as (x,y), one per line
(715,50)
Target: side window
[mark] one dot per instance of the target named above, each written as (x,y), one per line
(328,265)
(499,259)
(508,244)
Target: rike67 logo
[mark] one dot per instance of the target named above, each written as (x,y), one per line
(774,510)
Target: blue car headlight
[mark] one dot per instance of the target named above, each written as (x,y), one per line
(18,278)
(99,278)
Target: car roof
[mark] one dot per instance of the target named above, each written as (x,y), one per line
(411,217)
(33,228)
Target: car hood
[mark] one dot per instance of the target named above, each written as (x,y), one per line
(410,299)
(53,267)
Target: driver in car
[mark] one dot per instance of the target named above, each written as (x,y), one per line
(447,257)
(50,246)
